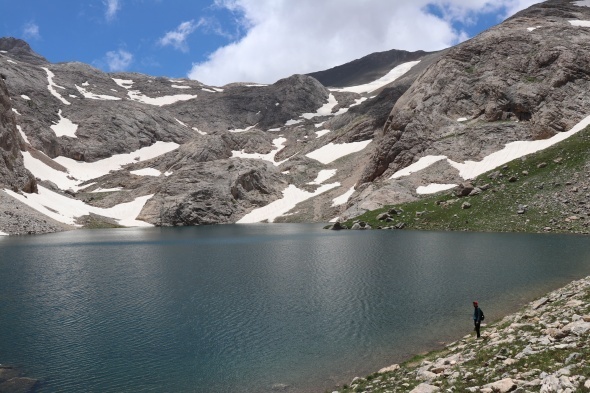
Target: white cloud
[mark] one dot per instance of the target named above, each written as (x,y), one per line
(285,37)
(113,6)
(31,31)
(118,60)
(177,38)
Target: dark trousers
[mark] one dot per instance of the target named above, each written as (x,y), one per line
(477,327)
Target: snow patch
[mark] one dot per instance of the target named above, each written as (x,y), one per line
(255,85)
(291,197)
(342,199)
(462,119)
(66,210)
(321,133)
(323,175)
(582,3)
(106,189)
(279,144)
(292,122)
(200,132)
(324,110)
(422,163)
(391,76)
(3,233)
(87,94)
(181,123)
(243,129)
(532,28)
(580,23)
(434,188)
(136,95)
(84,171)
(331,152)
(25,97)
(209,90)
(11,61)
(124,83)
(168,173)
(64,127)
(15,111)
(22,134)
(147,172)
(358,101)
(180,87)
(51,87)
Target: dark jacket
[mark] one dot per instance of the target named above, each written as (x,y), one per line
(477,313)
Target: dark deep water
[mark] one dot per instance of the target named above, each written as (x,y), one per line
(242,308)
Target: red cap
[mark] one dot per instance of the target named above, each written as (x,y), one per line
(475,303)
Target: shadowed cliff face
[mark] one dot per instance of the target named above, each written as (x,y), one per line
(13,174)
(525,79)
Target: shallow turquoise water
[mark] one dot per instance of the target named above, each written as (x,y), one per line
(241,308)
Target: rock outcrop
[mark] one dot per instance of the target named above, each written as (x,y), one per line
(13,174)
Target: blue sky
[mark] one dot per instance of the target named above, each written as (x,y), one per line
(220,41)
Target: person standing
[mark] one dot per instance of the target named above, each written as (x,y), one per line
(477,318)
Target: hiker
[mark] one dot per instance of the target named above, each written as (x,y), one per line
(477,318)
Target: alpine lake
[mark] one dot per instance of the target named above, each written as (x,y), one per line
(256,308)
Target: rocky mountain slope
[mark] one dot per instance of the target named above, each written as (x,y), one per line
(526,79)
(131,149)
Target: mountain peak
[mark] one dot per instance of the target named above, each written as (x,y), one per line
(21,50)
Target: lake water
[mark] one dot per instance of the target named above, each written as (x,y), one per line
(251,308)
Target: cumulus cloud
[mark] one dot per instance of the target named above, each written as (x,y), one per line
(113,6)
(31,31)
(285,37)
(119,60)
(177,38)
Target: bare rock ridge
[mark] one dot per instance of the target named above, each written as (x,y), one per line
(365,69)
(21,50)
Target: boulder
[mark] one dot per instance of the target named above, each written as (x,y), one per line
(383,216)
(502,386)
(387,369)
(539,303)
(578,327)
(425,388)
(464,189)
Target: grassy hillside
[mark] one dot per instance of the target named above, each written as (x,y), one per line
(547,191)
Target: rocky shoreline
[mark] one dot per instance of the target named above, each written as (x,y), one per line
(12,381)
(541,348)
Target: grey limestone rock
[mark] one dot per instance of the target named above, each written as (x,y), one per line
(13,174)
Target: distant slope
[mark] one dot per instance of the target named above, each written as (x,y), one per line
(366,69)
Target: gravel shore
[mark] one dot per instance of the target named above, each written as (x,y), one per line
(544,348)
